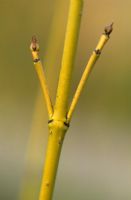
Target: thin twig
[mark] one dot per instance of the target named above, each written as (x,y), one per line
(95,55)
(41,75)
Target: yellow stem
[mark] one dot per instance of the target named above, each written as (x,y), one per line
(42,79)
(58,125)
(57,130)
(70,46)
(95,55)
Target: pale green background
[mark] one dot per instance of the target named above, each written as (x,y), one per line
(96,157)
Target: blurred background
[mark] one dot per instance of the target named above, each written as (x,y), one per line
(95,162)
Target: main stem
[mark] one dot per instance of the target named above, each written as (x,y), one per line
(57,132)
(70,46)
(58,124)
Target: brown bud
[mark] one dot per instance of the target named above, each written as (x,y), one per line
(34,44)
(108,29)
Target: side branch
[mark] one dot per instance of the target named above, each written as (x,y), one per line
(95,55)
(41,75)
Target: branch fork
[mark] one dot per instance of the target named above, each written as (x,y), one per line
(59,114)
(41,75)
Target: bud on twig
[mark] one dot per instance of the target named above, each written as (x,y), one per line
(108,29)
(34,44)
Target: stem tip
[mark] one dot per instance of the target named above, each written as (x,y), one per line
(108,29)
(34,44)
